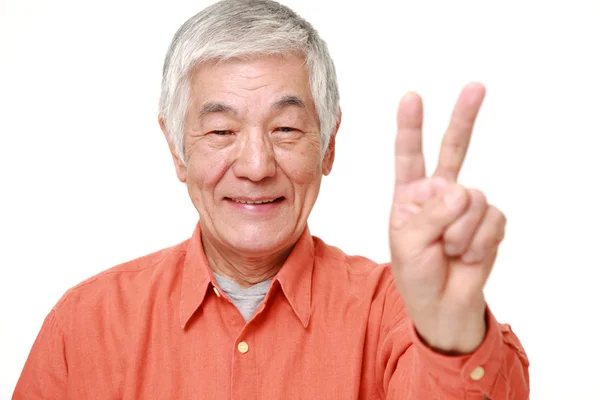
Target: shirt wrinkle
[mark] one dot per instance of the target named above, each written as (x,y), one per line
(151,329)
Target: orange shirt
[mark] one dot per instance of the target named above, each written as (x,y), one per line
(331,326)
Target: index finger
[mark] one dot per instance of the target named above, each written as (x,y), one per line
(458,135)
(410,164)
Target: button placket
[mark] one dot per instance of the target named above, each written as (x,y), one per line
(244,380)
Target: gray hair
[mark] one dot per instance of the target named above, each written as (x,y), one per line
(239,29)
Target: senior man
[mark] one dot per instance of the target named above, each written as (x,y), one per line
(254,307)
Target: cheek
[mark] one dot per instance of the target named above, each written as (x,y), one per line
(303,168)
(205,169)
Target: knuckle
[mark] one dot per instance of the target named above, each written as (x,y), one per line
(453,242)
(502,218)
(497,215)
(491,241)
(458,238)
(456,233)
(477,196)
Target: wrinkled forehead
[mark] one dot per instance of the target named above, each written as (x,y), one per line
(242,84)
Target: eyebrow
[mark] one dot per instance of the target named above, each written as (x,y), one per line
(212,107)
(286,101)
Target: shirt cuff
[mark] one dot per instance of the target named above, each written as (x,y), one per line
(475,372)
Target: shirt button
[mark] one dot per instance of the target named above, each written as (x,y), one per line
(217,291)
(477,373)
(243,347)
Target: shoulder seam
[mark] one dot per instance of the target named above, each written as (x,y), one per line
(106,273)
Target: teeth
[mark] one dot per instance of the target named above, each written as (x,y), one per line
(254,202)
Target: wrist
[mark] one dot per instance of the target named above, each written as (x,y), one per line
(454,336)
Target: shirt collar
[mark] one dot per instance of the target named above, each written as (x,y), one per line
(196,277)
(295,277)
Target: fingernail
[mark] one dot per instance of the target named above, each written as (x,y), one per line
(453,197)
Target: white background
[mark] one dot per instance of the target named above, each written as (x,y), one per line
(87,180)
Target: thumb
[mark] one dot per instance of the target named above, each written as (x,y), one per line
(429,224)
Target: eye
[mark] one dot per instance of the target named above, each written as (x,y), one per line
(286,129)
(221,133)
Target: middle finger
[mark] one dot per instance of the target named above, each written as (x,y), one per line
(458,135)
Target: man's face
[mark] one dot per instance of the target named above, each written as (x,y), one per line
(253,154)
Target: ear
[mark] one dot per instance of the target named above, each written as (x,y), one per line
(330,153)
(180,167)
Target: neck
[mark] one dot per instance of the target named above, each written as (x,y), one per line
(246,271)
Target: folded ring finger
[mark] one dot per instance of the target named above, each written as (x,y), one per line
(488,237)
(460,233)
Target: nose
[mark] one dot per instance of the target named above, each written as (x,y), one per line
(256,158)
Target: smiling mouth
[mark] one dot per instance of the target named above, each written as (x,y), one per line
(255,202)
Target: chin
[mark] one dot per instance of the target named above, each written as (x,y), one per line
(259,239)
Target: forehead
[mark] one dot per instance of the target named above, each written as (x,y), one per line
(258,80)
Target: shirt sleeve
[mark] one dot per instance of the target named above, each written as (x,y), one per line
(44,376)
(496,370)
